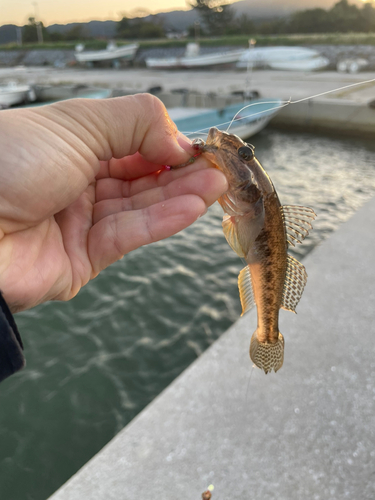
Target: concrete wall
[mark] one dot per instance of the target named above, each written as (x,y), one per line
(328,114)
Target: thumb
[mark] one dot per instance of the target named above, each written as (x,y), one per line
(114,128)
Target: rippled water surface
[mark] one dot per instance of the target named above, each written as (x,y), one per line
(95,362)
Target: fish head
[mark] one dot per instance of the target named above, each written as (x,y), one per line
(228,153)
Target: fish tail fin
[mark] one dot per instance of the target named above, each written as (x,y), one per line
(266,355)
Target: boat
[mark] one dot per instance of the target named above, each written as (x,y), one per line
(14,93)
(56,94)
(50,94)
(311,64)
(283,58)
(248,122)
(352,65)
(111,53)
(193,58)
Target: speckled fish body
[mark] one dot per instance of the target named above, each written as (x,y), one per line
(259,229)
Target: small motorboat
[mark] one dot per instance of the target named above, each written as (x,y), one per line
(248,120)
(112,53)
(14,93)
(283,58)
(193,58)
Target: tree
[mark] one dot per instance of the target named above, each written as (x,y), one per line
(345,17)
(368,18)
(29,31)
(140,28)
(76,32)
(243,25)
(273,27)
(310,21)
(342,17)
(216,16)
(123,28)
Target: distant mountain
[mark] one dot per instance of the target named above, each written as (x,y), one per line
(179,20)
(96,29)
(8,34)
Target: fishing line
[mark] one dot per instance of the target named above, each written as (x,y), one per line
(285,103)
(282,105)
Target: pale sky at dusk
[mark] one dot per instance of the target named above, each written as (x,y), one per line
(64,11)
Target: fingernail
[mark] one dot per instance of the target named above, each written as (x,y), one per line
(184,142)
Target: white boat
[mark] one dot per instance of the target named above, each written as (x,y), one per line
(249,121)
(352,65)
(111,53)
(13,93)
(311,64)
(285,58)
(194,59)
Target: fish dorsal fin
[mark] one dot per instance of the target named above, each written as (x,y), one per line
(297,221)
(295,281)
(245,287)
(230,234)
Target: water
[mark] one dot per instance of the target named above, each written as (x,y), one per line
(95,362)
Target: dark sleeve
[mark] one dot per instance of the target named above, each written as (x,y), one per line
(11,356)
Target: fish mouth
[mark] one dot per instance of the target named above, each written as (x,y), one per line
(199,145)
(213,135)
(212,138)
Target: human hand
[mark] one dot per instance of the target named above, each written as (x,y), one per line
(82,184)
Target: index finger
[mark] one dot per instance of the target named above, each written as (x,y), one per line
(128,168)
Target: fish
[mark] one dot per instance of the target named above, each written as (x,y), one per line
(260,230)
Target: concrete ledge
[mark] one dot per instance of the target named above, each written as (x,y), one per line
(328,114)
(306,432)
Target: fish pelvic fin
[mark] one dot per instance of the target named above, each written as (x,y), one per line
(230,234)
(246,290)
(265,355)
(297,222)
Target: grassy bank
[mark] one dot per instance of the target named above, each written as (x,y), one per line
(240,40)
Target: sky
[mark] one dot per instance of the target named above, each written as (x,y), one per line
(65,11)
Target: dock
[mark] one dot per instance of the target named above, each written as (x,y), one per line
(307,431)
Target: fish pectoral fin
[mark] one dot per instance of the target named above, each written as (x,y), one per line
(295,281)
(297,222)
(245,287)
(230,234)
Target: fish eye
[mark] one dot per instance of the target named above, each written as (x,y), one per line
(245,153)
